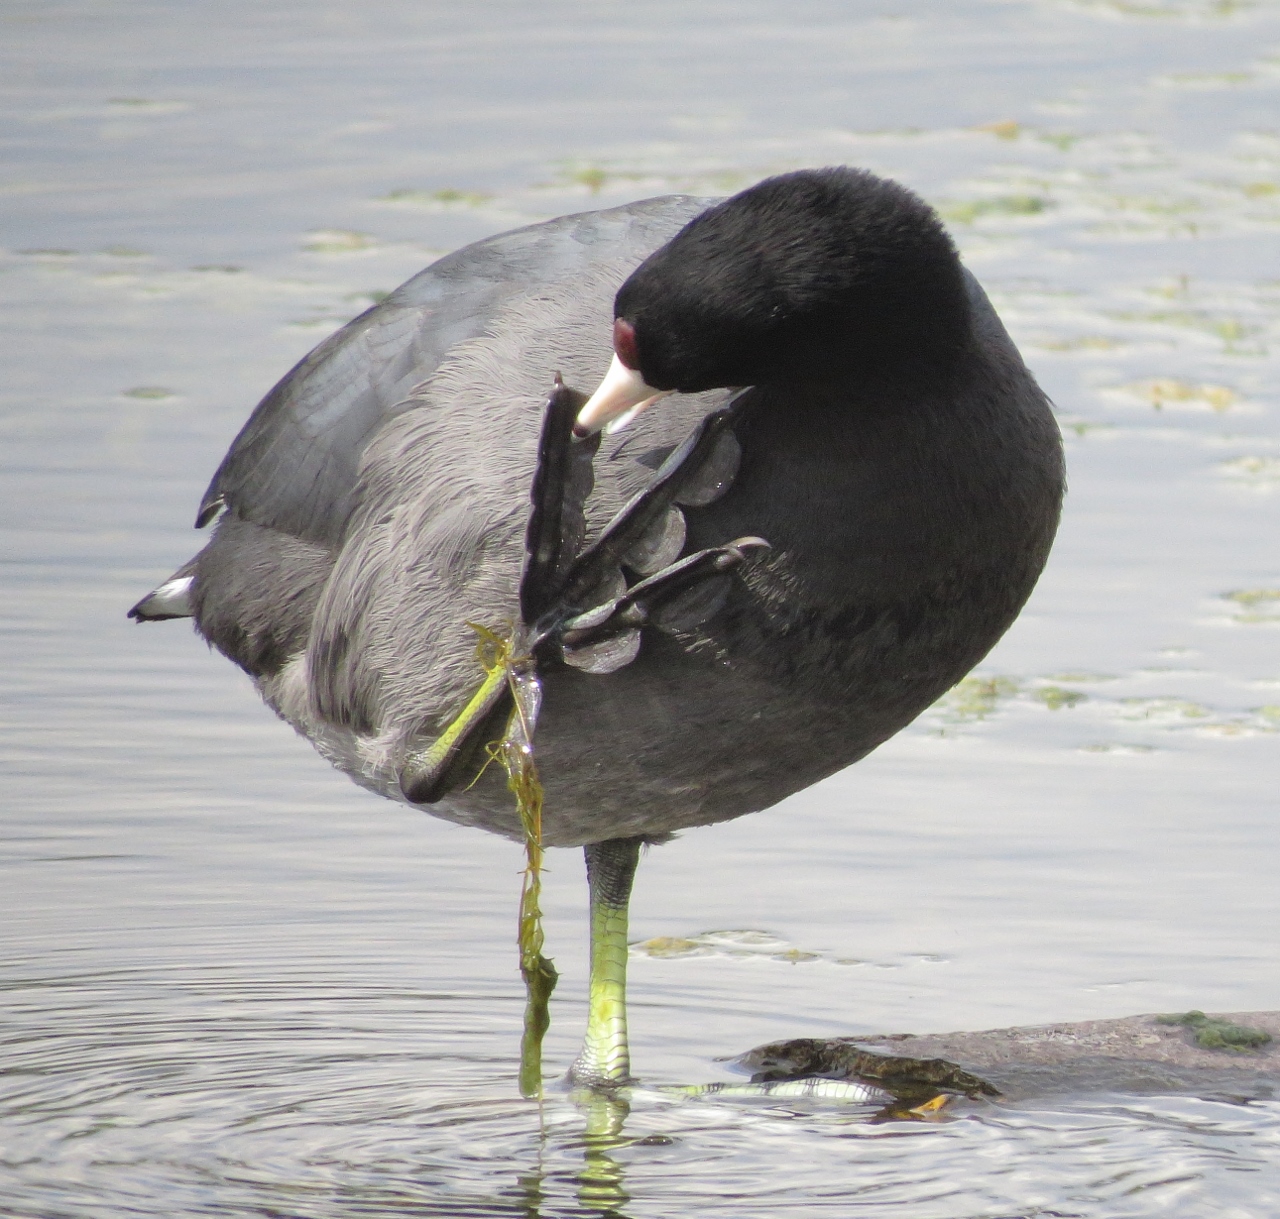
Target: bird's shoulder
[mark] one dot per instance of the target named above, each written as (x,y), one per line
(293,467)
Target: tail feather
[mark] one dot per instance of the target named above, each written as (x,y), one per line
(171,600)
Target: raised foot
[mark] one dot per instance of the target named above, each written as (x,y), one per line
(586,606)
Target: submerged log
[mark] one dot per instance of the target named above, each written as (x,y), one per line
(1234,1057)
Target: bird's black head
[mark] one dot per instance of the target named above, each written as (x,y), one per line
(817,275)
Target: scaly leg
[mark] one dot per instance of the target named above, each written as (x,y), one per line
(605,1060)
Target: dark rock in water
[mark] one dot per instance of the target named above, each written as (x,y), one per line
(1238,1060)
(901,1075)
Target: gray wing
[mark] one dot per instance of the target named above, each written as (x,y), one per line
(293,466)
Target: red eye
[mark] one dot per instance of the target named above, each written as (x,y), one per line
(624,343)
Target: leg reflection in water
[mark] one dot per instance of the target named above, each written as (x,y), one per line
(600,1184)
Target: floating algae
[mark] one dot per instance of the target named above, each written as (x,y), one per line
(504,657)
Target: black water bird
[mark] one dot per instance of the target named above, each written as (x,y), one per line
(884,439)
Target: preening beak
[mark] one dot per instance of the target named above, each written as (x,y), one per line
(622,395)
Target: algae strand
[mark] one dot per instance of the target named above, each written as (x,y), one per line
(516,754)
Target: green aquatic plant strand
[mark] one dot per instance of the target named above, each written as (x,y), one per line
(498,655)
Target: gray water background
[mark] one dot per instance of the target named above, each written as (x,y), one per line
(234,984)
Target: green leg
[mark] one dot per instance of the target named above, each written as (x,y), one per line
(605,1060)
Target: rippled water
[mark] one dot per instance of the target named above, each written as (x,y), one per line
(236,985)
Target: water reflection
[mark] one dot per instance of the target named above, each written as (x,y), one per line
(316,1096)
(600,1184)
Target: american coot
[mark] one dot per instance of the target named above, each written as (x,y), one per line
(884,438)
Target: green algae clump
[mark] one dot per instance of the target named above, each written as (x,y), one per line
(1218,1034)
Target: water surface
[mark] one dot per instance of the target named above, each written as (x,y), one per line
(235,984)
